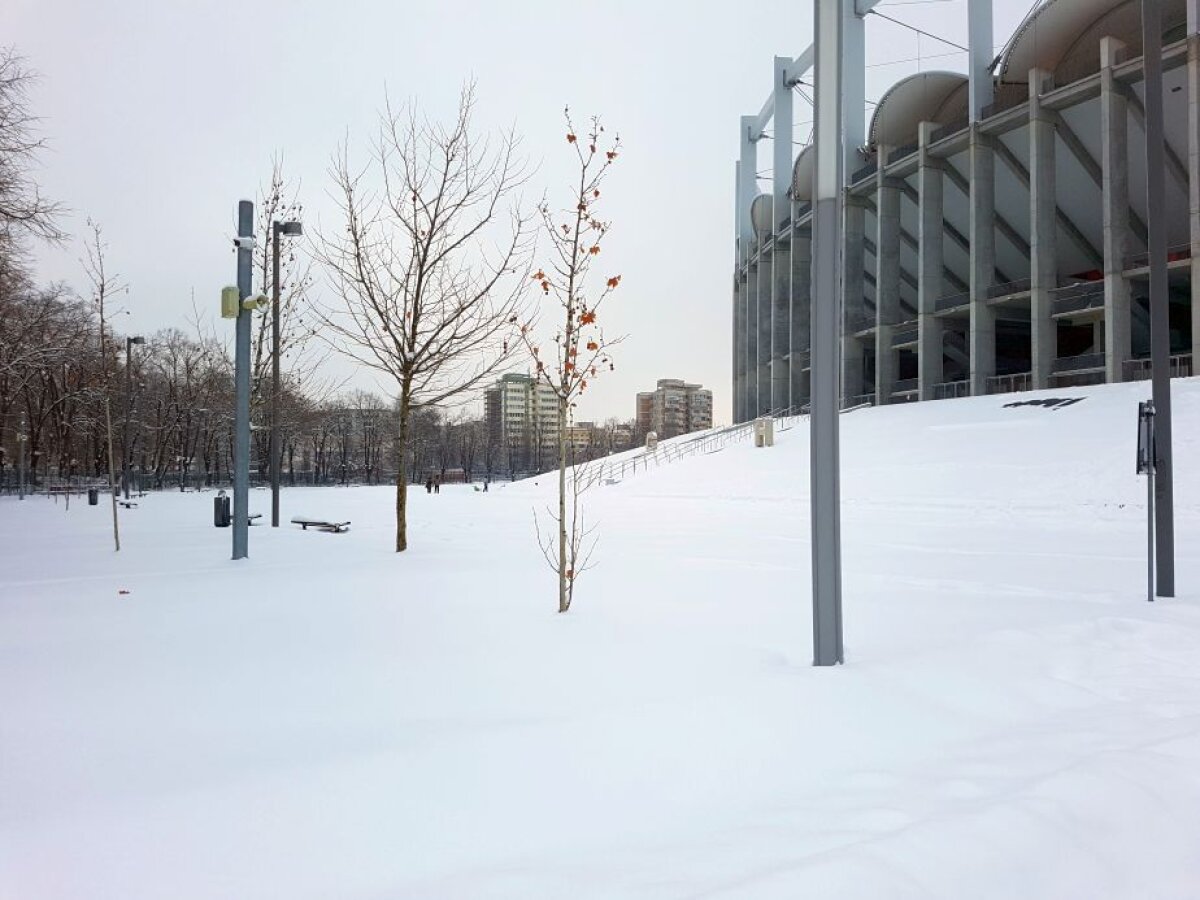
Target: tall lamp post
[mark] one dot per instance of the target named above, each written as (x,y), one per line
(242,306)
(129,342)
(279,230)
(1160,335)
(825,460)
(22,440)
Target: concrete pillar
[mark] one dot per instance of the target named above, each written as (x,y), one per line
(801,312)
(781,326)
(765,312)
(781,276)
(1114,142)
(853,307)
(1193,126)
(739,360)
(980,55)
(751,290)
(982,161)
(930,261)
(747,187)
(887,279)
(739,371)
(1043,224)
(854,86)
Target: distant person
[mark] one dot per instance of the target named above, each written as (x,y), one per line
(437,485)
(485,484)
(429,485)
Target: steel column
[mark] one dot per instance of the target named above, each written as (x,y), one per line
(1160,339)
(825,498)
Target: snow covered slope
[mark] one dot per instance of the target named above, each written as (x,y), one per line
(331,720)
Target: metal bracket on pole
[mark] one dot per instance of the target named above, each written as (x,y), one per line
(1145,466)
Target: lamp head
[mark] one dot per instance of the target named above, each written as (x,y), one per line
(291,228)
(256,302)
(138,339)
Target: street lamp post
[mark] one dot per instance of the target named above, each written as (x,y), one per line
(278,230)
(22,440)
(241,426)
(129,342)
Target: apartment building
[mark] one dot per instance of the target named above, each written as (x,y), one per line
(673,408)
(522,419)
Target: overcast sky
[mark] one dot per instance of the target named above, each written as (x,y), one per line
(161,115)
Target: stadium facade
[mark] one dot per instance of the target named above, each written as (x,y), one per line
(995,222)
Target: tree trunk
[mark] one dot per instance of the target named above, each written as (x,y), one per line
(112,474)
(564,594)
(402,475)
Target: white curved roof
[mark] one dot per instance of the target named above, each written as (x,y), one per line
(939,97)
(1065,34)
(760,214)
(802,175)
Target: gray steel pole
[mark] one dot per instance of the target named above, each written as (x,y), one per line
(825,498)
(22,440)
(1160,338)
(1150,529)
(274,447)
(241,437)
(128,415)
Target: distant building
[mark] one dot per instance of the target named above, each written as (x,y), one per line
(522,420)
(580,437)
(674,408)
(620,437)
(645,414)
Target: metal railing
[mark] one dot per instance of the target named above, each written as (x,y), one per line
(1180,366)
(950,301)
(900,152)
(1174,252)
(1077,379)
(904,333)
(856,323)
(865,172)
(1007,97)
(608,471)
(1076,298)
(951,390)
(1009,287)
(858,401)
(905,386)
(1009,384)
(1084,362)
(948,129)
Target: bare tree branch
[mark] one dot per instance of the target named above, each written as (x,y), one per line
(429,266)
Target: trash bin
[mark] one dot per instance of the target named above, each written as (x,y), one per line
(221,516)
(93,496)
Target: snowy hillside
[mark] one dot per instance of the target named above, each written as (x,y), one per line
(331,720)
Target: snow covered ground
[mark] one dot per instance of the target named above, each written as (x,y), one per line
(332,720)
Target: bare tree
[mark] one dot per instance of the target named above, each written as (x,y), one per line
(300,357)
(430,266)
(104,284)
(24,212)
(581,350)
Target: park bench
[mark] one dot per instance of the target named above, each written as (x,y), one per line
(320,524)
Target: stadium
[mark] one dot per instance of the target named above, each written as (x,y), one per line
(994,231)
